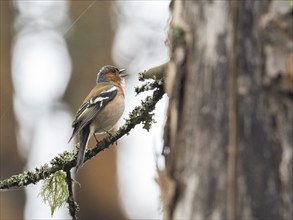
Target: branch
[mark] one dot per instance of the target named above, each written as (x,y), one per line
(67,160)
(156,73)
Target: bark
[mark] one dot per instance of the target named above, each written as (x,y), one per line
(204,46)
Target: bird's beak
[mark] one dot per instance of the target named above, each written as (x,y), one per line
(121,73)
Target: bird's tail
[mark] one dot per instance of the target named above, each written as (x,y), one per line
(84,137)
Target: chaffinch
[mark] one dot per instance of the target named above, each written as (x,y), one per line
(101,109)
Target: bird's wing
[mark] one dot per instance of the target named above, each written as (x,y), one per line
(95,101)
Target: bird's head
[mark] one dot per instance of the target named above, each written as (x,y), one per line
(111,74)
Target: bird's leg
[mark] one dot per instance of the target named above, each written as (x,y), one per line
(109,134)
(96,138)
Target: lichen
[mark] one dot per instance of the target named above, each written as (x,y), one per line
(54,191)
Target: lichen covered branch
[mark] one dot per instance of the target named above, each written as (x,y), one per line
(67,160)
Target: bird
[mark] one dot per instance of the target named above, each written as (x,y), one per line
(101,109)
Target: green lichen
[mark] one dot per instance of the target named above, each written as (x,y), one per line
(149,86)
(54,191)
(61,159)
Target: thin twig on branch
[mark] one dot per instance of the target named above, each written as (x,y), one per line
(73,207)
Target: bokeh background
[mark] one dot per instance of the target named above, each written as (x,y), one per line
(51,52)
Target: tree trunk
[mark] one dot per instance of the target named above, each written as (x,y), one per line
(228,137)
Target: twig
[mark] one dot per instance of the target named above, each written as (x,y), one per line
(73,206)
(148,86)
(157,72)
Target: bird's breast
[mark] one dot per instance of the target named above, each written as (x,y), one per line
(109,115)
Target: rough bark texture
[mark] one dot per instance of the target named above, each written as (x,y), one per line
(197,131)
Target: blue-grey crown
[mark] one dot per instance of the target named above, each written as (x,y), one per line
(101,76)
